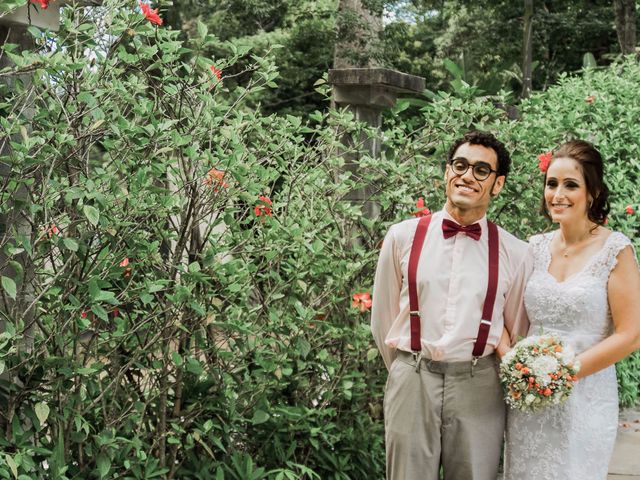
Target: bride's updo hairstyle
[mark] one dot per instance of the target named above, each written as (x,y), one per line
(592,167)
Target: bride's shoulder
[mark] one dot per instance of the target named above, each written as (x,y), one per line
(541,238)
(614,243)
(616,237)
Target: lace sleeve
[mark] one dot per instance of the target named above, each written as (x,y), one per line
(537,243)
(609,257)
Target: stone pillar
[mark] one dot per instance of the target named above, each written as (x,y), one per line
(367,92)
(13,29)
(14,220)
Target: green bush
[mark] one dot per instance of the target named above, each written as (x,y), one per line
(178,269)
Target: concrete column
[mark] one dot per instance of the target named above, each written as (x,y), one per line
(367,92)
(15,220)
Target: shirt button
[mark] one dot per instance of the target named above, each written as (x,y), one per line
(438,354)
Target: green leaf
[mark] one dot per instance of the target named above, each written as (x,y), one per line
(106,296)
(202,29)
(453,68)
(42,412)
(12,465)
(92,214)
(589,61)
(70,244)
(9,286)
(260,416)
(104,465)
(194,366)
(100,312)
(177,359)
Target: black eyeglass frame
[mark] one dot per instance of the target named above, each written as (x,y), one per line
(473,168)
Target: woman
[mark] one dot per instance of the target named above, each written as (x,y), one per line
(585,287)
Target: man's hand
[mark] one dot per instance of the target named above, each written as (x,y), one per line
(504,345)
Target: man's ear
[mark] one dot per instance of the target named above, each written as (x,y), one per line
(497,186)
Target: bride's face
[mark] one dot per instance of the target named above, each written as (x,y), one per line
(565,192)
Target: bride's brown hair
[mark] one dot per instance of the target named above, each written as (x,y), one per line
(592,166)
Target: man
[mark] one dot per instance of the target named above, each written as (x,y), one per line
(443,402)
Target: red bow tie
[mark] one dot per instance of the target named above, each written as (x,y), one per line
(449,229)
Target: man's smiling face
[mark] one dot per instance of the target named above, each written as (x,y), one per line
(466,194)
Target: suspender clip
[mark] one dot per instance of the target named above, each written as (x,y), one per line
(474,361)
(417,357)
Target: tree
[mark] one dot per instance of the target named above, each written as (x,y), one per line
(625,13)
(485,39)
(359,25)
(527,49)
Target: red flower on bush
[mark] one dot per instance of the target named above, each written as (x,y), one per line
(44,4)
(215,176)
(53,230)
(150,14)
(361,301)
(127,270)
(590,99)
(84,314)
(422,210)
(544,159)
(216,71)
(263,207)
(629,210)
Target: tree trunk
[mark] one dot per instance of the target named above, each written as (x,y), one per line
(358,35)
(625,11)
(527,50)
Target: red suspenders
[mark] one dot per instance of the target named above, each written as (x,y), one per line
(414,257)
(492,285)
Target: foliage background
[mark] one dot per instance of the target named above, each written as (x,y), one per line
(227,347)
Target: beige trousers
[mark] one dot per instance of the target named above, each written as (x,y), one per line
(445,414)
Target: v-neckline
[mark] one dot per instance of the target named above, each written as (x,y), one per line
(584,267)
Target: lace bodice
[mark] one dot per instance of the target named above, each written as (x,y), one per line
(573,440)
(577,307)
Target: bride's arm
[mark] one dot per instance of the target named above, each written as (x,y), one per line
(624,301)
(504,345)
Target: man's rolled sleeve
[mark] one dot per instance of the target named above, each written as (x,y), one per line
(386,296)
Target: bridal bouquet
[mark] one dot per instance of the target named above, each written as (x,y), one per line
(539,371)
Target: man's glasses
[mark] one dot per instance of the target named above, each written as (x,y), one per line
(481,170)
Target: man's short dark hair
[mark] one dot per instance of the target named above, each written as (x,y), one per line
(486,140)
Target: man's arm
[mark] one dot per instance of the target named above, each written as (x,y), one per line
(386,296)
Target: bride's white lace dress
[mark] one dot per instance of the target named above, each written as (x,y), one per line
(573,441)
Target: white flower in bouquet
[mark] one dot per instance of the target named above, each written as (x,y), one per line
(539,371)
(543,366)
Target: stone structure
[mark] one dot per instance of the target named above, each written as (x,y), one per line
(367,92)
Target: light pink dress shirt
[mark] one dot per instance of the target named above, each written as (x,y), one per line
(452,283)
